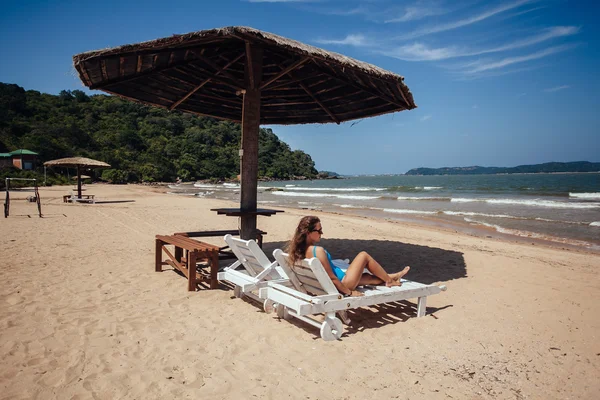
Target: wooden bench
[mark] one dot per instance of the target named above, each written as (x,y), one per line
(194,251)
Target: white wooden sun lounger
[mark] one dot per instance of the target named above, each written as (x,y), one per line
(252,270)
(310,291)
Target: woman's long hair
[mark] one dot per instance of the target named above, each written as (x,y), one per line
(296,248)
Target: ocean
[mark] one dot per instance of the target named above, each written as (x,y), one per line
(559,208)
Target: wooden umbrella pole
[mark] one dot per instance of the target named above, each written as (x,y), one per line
(78,182)
(249,147)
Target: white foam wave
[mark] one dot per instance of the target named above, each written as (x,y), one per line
(204,185)
(338,196)
(326,189)
(423,198)
(182,193)
(346,206)
(290,185)
(586,196)
(595,223)
(531,203)
(428,187)
(476,214)
(403,211)
(529,234)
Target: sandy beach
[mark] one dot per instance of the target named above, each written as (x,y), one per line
(83,314)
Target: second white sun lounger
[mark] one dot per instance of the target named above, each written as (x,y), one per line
(310,291)
(252,270)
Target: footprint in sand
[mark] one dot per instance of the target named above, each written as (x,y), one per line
(12,300)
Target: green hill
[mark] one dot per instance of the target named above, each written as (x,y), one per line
(141,143)
(576,166)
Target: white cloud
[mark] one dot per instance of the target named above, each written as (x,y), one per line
(350,40)
(556,88)
(479,66)
(282,1)
(418,11)
(464,22)
(421,52)
(425,118)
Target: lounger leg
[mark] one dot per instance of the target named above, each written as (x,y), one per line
(422,306)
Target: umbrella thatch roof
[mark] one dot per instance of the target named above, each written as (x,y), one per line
(75,162)
(204,73)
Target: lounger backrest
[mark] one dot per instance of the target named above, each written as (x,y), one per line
(250,255)
(308,275)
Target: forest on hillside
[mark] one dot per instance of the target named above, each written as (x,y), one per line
(141,143)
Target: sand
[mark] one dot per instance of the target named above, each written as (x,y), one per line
(83,314)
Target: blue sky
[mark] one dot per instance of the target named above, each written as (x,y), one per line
(497,83)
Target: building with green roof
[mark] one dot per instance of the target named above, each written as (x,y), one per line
(21,158)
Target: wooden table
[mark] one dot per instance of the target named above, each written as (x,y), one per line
(194,251)
(237,212)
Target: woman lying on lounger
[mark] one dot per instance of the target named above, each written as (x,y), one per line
(304,245)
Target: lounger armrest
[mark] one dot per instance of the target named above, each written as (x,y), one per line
(266,271)
(233,266)
(304,296)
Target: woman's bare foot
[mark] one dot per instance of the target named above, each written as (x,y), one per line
(393,282)
(398,275)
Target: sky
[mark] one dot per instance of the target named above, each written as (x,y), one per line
(497,83)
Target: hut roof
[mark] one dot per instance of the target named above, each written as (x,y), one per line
(74,162)
(203,73)
(23,152)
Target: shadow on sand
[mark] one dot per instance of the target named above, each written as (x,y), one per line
(113,201)
(428,265)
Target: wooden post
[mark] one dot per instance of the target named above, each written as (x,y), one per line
(213,258)
(249,148)
(79,182)
(158,255)
(191,267)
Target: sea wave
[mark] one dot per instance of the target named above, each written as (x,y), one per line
(532,203)
(182,193)
(595,223)
(476,214)
(424,198)
(327,189)
(338,196)
(585,196)
(404,211)
(528,234)
(403,188)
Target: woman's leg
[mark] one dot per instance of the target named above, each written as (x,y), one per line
(354,274)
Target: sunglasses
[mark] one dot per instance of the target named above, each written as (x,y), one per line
(318,230)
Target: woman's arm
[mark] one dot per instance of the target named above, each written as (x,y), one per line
(322,256)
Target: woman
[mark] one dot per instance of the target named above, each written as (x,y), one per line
(304,245)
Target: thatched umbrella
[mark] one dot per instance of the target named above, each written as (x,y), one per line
(79,163)
(249,76)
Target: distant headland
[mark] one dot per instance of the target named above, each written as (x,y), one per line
(546,168)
